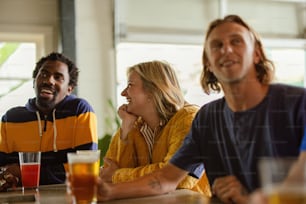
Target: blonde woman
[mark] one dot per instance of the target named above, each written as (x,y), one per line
(155,121)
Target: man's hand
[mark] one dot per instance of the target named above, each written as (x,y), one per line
(104,190)
(229,190)
(258,198)
(106,173)
(9,177)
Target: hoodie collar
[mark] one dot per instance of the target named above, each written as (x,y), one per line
(31,105)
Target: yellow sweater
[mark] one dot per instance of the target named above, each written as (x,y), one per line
(132,154)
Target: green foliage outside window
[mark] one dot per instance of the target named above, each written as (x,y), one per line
(112,123)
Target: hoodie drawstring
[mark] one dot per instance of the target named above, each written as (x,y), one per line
(54,132)
(39,124)
(40,130)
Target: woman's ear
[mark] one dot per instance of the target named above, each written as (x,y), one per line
(207,65)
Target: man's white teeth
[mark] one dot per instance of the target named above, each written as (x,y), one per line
(227,63)
(46,91)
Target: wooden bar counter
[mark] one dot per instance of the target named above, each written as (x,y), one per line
(56,194)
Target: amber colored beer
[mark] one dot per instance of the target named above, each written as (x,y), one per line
(83,175)
(287,198)
(83,182)
(288,195)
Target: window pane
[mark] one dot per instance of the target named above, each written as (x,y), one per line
(186,59)
(290,65)
(16,84)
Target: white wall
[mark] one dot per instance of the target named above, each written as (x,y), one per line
(95,55)
(30,19)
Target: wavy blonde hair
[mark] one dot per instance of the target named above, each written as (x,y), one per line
(264,68)
(160,80)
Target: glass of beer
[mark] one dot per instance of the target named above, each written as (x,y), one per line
(279,187)
(96,152)
(30,169)
(83,175)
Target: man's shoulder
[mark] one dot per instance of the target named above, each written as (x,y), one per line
(74,99)
(17,109)
(213,105)
(278,89)
(18,114)
(75,103)
(211,109)
(282,96)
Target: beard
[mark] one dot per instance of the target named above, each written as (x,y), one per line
(46,103)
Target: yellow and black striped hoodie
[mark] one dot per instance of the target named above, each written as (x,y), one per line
(72,125)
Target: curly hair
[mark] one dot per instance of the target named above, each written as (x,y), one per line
(54,56)
(160,80)
(264,68)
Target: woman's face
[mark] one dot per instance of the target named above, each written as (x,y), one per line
(136,96)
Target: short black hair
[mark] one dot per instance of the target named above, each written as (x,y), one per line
(55,56)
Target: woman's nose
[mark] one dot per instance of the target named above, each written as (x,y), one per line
(123,92)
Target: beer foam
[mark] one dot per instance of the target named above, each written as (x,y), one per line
(82,158)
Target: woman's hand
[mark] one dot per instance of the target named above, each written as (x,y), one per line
(229,190)
(106,173)
(128,120)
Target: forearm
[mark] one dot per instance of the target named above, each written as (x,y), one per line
(159,182)
(129,174)
(148,185)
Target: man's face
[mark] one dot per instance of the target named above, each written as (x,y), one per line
(231,53)
(51,85)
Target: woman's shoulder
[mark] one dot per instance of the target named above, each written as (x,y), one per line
(185,111)
(189,108)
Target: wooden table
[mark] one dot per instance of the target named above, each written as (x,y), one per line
(56,194)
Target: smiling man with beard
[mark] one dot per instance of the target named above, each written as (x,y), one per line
(54,122)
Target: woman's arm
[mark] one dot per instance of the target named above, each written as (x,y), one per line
(159,182)
(132,155)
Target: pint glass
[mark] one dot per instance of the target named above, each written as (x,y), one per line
(84,173)
(30,169)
